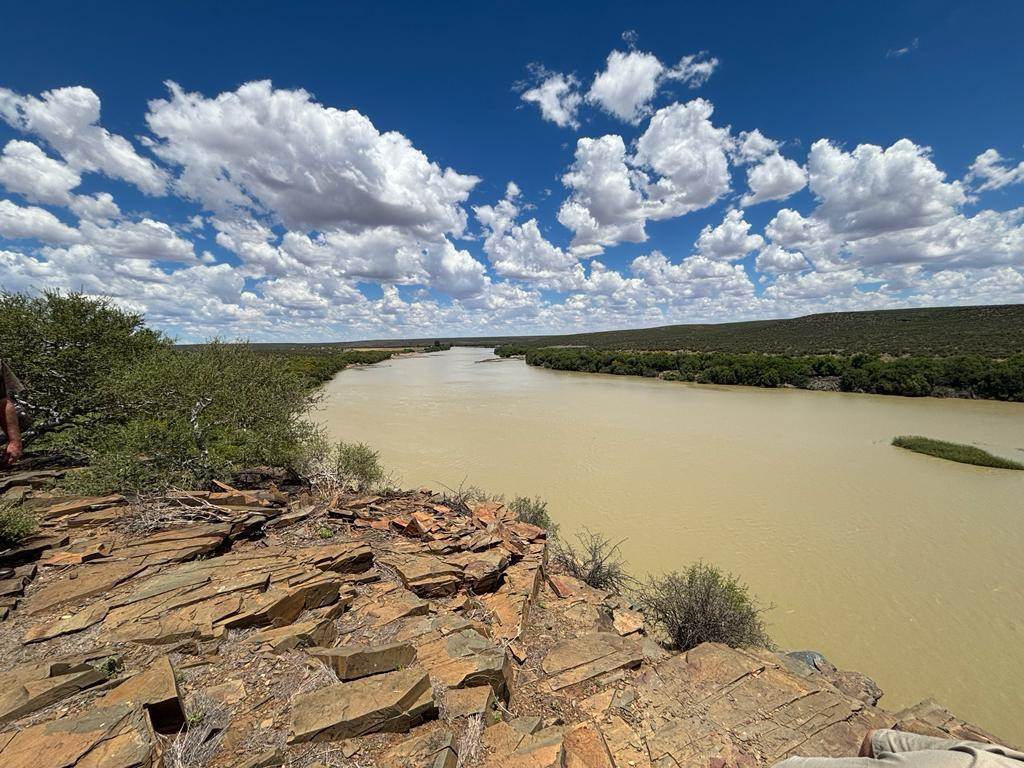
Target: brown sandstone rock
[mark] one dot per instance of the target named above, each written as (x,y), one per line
(352,662)
(303,634)
(466,658)
(156,690)
(118,736)
(30,687)
(426,575)
(391,702)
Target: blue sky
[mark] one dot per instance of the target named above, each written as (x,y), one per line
(343,172)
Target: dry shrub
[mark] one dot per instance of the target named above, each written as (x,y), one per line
(597,562)
(703,605)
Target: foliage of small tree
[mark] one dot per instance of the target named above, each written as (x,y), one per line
(535,512)
(64,348)
(191,416)
(596,562)
(701,605)
(16,523)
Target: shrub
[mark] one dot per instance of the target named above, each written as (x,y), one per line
(189,416)
(597,562)
(702,605)
(341,466)
(16,523)
(535,512)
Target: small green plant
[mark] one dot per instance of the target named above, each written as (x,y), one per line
(16,523)
(965,454)
(535,512)
(597,562)
(703,605)
(110,666)
(195,717)
(325,533)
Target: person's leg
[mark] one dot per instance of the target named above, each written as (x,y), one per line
(867,745)
(11,450)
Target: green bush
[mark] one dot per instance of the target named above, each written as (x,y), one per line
(190,416)
(16,523)
(702,605)
(341,466)
(597,562)
(64,348)
(535,512)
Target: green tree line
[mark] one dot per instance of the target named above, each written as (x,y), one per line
(914,376)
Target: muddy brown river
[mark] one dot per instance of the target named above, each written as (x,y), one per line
(902,566)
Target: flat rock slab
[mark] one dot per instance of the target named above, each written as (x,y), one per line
(466,658)
(578,660)
(302,634)
(118,736)
(67,624)
(426,575)
(392,703)
(156,690)
(352,662)
(433,749)
(30,687)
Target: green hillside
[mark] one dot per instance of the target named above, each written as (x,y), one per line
(993,331)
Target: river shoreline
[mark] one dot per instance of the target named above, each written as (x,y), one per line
(801,496)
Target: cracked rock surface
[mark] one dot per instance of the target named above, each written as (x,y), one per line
(261,626)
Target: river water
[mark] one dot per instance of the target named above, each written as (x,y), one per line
(905,567)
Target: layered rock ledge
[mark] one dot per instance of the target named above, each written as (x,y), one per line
(261,627)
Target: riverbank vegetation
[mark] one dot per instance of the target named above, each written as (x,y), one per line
(110,393)
(965,454)
(958,376)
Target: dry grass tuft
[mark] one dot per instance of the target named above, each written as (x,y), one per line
(197,742)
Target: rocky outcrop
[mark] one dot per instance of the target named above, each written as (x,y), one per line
(403,631)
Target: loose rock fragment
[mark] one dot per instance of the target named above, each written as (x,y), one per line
(391,702)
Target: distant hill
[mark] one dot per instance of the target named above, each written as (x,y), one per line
(993,331)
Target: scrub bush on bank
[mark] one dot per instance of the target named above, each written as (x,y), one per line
(963,375)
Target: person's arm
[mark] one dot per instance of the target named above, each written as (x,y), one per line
(9,418)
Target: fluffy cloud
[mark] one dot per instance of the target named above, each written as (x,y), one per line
(680,165)
(774,178)
(33,223)
(771,176)
(278,152)
(730,240)
(885,215)
(688,153)
(630,81)
(558,97)
(68,120)
(606,206)
(990,170)
(774,259)
(520,251)
(26,170)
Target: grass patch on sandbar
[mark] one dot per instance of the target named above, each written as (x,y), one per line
(965,454)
